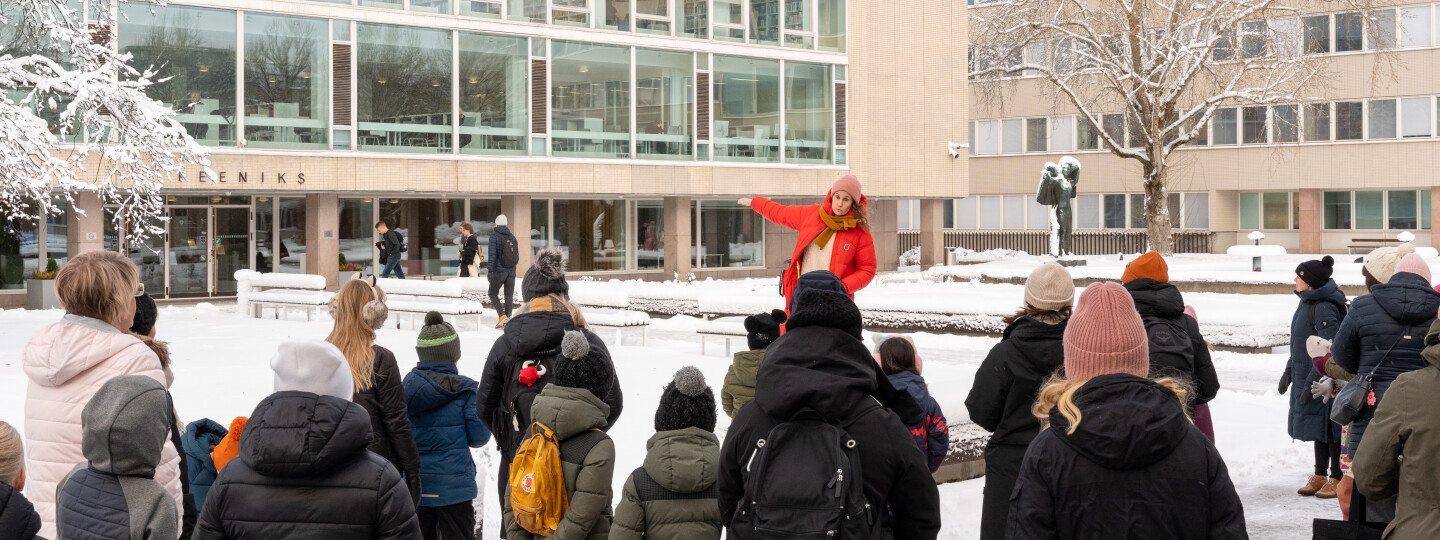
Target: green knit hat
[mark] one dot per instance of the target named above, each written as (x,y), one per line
(438,341)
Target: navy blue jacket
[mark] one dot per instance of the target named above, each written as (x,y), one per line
(18,519)
(929,429)
(443,415)
(492,261)
(1392,311)
(1317,315)
(199,440)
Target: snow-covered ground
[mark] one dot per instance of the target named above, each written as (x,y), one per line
(1277,269)
(221,371)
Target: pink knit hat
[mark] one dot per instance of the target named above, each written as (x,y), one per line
(1413,264)
(1105,335)
(849,184)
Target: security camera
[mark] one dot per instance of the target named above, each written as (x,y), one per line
(955,148)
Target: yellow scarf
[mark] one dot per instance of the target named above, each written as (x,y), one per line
(832,224)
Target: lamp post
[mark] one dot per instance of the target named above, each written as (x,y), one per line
(1257,236)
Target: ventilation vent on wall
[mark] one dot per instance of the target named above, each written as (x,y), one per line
(539,105)
(341,77)
(702,106)
(840,114)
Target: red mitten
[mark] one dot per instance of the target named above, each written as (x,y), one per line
(528,376)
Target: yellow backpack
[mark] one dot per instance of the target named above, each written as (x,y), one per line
(537,483)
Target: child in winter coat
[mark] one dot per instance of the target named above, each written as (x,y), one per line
(1120,458)
(761,329)
(303,469)
(673,496)
(932,434)
(18,519)
(571,408)
(446,423)
(199,442)
(878,338)
(114,495)
(229,446)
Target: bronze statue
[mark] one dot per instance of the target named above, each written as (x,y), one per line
(1058,184)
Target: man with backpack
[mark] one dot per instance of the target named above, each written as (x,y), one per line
(391,245)
(1176,347)
(822,446)
(504,256)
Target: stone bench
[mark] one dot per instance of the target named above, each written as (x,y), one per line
(281,292)
(415,298)
(966,459)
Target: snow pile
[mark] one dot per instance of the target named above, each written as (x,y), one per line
(1255,251)
(911,257)
(420,287)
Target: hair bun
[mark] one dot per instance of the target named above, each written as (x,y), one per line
(690,381)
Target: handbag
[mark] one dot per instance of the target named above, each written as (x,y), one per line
(1351,399)
(1355,529)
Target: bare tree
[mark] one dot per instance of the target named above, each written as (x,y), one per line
(1165,65)
(74,116)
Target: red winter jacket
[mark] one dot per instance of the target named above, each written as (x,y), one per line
(852,258)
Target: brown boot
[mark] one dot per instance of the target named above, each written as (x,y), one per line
(1327,492)
(1314,486)
(501,323)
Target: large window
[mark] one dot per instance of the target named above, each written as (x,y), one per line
(1381,34)
(539,225)
(403,81)
(1014,211)
(1062,134)
(1415,117)
(1250,211)
(1225,126)
(590,96)
(1253,121)
(287,88)
(1137,210)
(1276,211)
(746,109)
(1317,122)
(1197,211)
(963,214)
(591,234)
(1337,210)
(729,235)
(1349,32)
(1317,34)
(1115,211)
(650,231)
(193,53)
(494,94)
(1087,211)
(987,139)
(1011,136)
(832,25)
(1287,123)
(1415,26)
(1086,137)
(664,111)
(1402,208)
(290,223)
(1349,120)
(696,18)
(1369,209)
(991,211)
(809,113)
(799,31)
(1035,132)
(1382,119)
(729,20)
(765,21)
(357,233)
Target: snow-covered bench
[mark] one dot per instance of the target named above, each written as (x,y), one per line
(416,297)
(724,316)
(477,289)
(607,307)
(281,292)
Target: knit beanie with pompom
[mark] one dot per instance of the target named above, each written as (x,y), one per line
(438,341)
(1316,273)
(686,402)
(1105,335)
(577,368)
(546,276)
(1381,262)
(1414,264)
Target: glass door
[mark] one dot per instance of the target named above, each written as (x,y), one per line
(188,251)
(231,247)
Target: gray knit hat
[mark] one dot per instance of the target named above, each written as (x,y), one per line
(1049,288)
(438,341)
(546,276)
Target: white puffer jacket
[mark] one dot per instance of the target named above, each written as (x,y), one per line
(67,362)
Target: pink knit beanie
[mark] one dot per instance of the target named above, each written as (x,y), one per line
(1414,264)
(849,184)
(1105,335)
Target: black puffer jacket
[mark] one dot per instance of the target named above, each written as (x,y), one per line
(303,473)
(1008,380)
(18,519)
(1162,300)
(829,370)
(1135,467)
(389,421)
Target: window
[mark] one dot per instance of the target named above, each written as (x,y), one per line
(1087,211)
(746,109)
(1202,137)
(664,104)
(19,252)
(1114,211)
(1062,134)
(972,139)
(430,6)
(1035,131)
(1014,211)
(729,235)
(482,218)
(650,234)
(799,32)
(1382,30)
(696,15)
(1134,133)
(591,234)
(610,14)
(193,53)
(1114,125)
(403,79)
(964,213)
(1415,119)
(1253,35)
(652,17)
(357,232)
(989,138)
(1225,128)
(1425,209)
(1369,209)
(1337,210)
(1285,35)
(765,22)
(1253,119)
(539,225)
(480,8)
(1317,122)
(907,214)
(1249,211)
(1037,216)
(947,217)
(590,100)
(990,212)
(1086,137)
(809,128)
(1137,210)
(1402,213)
(290,222)
(529,10)
(1382,119)
(1010,139)
(1276,210)
(1172,205)
(1349,31)
(729,19)
(1415,26)
(1349,120)
(1225,46)
(832,25)
(1287,123)
(1316,34)
(494,94)
(1197,211)
(393,4)
(286,82)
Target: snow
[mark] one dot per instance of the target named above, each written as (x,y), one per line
(1278,269)
(420,287)
(1254,251)
(221,371)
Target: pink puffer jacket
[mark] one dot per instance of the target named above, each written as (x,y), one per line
(67,362)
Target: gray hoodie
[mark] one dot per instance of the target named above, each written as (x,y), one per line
(114,494)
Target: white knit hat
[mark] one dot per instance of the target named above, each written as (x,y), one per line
(312,365)
(501,221)
(1381,262)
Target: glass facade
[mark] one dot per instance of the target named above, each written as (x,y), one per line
(1369,209)
(403,88)
(287,86)
(193,53)
(591,234)
(746,109)
(290,224)
(357,235)
(664,104)
(729,235)
(590,100)
(809,128)
(1337,210)
(494,94)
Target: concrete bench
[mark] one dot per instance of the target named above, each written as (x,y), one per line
(726,328)
(723,316)
(281,292)
(415,298)
(608,307)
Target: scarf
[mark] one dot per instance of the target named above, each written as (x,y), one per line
(832,224)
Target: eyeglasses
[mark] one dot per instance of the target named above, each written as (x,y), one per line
(140,290)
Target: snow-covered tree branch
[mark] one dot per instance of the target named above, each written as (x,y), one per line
(74,116)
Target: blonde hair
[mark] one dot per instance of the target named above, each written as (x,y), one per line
(353,332)
(98,284)
(1059,393)
(12,454)
(558,304)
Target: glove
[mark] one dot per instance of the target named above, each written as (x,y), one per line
(1323,389)
(1285,380)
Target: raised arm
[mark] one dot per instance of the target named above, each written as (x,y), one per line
(792,217)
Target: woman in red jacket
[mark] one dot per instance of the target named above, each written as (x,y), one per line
(834,236)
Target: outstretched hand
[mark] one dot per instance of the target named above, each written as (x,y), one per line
(745,201)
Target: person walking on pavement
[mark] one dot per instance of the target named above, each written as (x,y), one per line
(504,256)
(391,245)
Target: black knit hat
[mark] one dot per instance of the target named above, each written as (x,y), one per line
(816,279)
(145,313)
(687,402)
(827,308)
(546,276)
(1316,273)
(577,368)
(762,329)
(438,341)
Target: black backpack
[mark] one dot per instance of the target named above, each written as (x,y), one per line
(803,480)
(509,251)
(1171,351)
(516,397)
